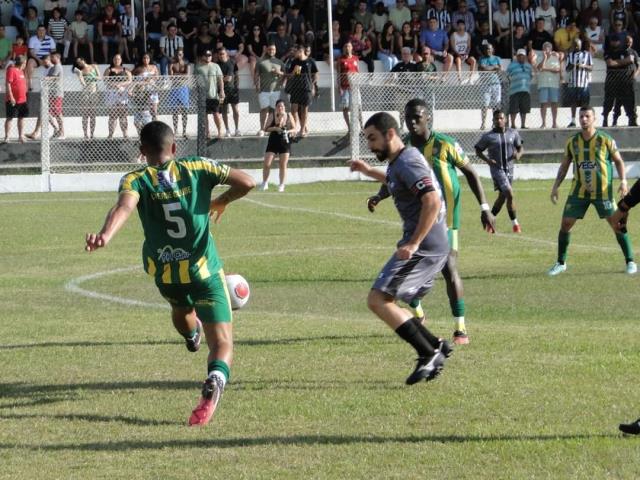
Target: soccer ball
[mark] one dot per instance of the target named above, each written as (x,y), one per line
(238,290)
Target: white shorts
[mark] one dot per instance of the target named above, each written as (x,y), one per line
(268,99)
(492,96)
(345,99)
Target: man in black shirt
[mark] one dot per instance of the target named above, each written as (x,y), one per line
(231,93)
(250,17)
(631,73)
(619,81)
(482,38)
(538,37)
(302,76)
(188,30)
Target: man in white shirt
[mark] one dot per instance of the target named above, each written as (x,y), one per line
(40,45)
(548,12)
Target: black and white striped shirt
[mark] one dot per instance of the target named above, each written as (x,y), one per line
(443,17)
(170,45)
(525,17)
(57,28)
(579,77)
(129,24)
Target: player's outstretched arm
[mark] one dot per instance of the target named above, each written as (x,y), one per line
(240,184)
(428,213)
(486,217)
(366,169)
(116,218)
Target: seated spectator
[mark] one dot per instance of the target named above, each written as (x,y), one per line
(537,38)
(155,24)
(416,23)
(169,45)
(5,49)
(91,11)
(399,14)
(338,41)
(342,12)
(40,45)
(130,40)
(365,17)
(19,48)
(406,63)
(619,13)
(550,77)
(460,42)
(205,42)
(362,46)
(425,61)
(251,17)
(617,32)
(482,15)
(296,24)
(276,18)
(564,36)
(228,17)
(256,43)
(214,22)
(466,16)
(548,13)
(563,19)
(19,14)
(196,10)
(48,7)
(438,42)
(502,22)
(526,15)
(585,16)
(482,38)
(380,18)
(59,31)
(283,42)
(595,34)
(32,23)
(233,44)
(387,47)
(406,38)
(108,31)
(520,39)
(441,14)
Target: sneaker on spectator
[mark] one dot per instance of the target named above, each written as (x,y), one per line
(281,187)
(261,133)
(238,133)
(228,134)
(264,187)
(572,124)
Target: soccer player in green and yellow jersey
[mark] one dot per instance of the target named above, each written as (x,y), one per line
(173,198)
(444,155)
(592,153)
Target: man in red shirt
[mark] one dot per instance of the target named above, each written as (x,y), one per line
(109,30)
(347,63)
(16,97)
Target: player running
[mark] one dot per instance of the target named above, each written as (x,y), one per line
(173,198)
(592,152)
(444,155)
(504,146)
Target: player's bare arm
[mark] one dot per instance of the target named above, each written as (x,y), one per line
(519,153)
(562,172)
(486,217)
(240,184)
(480,154)
(623,189)
(366,169)
(428,214)
(116,218)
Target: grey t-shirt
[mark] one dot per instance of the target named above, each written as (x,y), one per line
(501,147)
(55,89)
(408,178)
(269,81)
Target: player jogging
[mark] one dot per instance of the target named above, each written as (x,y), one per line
(423,249)
(173,198)
(444,154)
(592,152)
(504,145)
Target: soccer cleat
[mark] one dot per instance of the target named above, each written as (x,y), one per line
(446,348)
(632,268)
(517,229)
(193,344)
(427,368)
(630,428)
(460,337)
(211,393)
(557,269)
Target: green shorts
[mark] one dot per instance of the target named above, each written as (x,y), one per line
(577,207)
(453,214)
(209,297)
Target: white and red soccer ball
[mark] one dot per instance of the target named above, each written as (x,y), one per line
(239,291)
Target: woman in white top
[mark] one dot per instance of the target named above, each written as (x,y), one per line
(595,35)
(550,74)
(460,42)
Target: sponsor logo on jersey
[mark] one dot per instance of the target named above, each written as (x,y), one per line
(168,254)
(166,179)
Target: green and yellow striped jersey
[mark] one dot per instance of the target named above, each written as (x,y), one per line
(173,207)
(592,165)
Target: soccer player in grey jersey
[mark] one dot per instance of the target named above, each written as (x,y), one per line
(504,145)
(421,252)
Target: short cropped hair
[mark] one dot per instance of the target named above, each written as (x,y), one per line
(155,136)
(416,102)
(382,121)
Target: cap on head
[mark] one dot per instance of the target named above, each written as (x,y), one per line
(521,51)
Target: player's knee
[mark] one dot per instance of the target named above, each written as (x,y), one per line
(375,300)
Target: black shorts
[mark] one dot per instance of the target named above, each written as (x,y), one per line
(19,110)
(578,97)
(213,105)
(520,102)
(277,144)
(301,98)
(231,96)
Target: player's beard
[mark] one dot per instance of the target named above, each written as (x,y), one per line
(383,154)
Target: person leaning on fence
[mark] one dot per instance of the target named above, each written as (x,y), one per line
(80,34)
(268,80)
(88,75)
(179,96)
(579,65)
(231,92)
(15,97)
(211,79)
(619,81)
(520,74)
(117,82)
(493,89)
(56,96)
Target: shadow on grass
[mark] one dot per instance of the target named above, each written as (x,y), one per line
(336,339)
(299,440)
(73,417)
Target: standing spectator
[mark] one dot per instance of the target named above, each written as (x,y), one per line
(564,36)
(482,38)
(548,13)
(179,98)
(269,73)
(130,43)
(80,35)
(90,10)
(550,77)
(5,48)
(380,18)
(204,41)
(438,42)
(231,93)
(502,24)
(251,17)
(520,75)
(399,14)
(617,31)
(587,14)
(19,14)
(210,76)
(169,45)
(88,74)
(280,126)
(461,46)
(362,47)
(579,67)
(595,34)
(188,31)
(493,90)
(56,97)
(296,24)
(387,47)
(537,38)
(15,97)
(58,29)
(40,45)
(348,63)
(117,82)
(283,43)
(526,15)
(628,98)
(233,44)
(466,16)
(302,77)
(619,82)
(441,14)
(108,31)
(407,38)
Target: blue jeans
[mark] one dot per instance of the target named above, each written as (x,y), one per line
(388,61)
(164,65)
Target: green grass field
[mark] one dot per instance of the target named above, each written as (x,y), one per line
(96,383)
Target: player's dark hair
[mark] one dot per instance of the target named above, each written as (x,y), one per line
(383,122)
(497,112)
(415,103)
(588,107)
(155,136)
